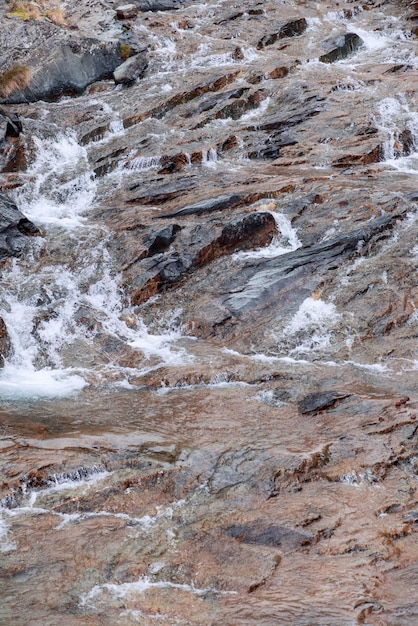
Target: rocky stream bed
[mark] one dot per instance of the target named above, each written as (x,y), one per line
(208,313)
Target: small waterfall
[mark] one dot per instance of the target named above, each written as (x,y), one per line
(399,124)
(286,240)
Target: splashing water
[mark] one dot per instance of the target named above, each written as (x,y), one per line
(49,312)
(310,329)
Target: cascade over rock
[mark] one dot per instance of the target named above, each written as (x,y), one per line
(208,359)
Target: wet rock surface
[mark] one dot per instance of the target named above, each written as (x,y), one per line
(14,229)
(227,277)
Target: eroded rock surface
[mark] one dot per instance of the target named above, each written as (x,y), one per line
(226,291)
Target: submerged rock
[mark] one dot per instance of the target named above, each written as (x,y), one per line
(269,535)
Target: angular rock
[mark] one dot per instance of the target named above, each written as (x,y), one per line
(159,241)
(162,193)
(126,12)
(204,244)
(14,228)
(248,232)
(320,401)
(66,69)
(290,29)
(10,124)
(131,69)
(343,47)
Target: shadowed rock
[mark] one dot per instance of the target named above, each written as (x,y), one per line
(159,241)
(14,228)
(344,46)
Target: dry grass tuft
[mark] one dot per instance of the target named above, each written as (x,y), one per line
(24,10)
(14,79)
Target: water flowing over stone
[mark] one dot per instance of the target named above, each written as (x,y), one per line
(208,313)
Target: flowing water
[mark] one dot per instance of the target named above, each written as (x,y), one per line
(154,472)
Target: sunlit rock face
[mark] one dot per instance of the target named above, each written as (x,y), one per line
(208,408)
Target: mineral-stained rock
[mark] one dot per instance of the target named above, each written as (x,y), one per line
(204,244)
(319,401)
(131,69)
(270,149)
(290,29)
(342,48)
(14,227)
(126,12)
(162,193)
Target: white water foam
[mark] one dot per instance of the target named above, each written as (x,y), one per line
(399,123)
(62,186)
(310,329)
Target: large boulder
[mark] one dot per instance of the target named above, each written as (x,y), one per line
(14,228)
(59,68)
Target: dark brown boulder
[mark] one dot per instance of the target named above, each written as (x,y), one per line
(290,29)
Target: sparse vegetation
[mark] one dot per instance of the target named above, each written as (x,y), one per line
(24,10)
(14,79)
(125,51)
